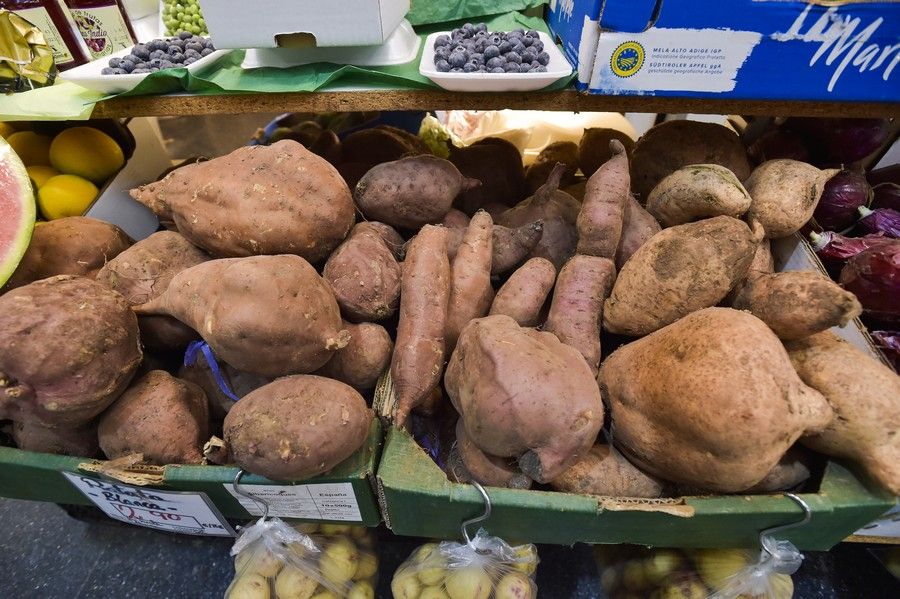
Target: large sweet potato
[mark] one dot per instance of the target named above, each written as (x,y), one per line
(638,226)
(605,471)
(558,152)
(710,401)
(594,150)
(679,270)
(79,441)
(486,469)
(697,191)
(70,346)
(524,394)
(865,397)
(159,416)
(471,292)
(364,359)
(75,245)
(498,165)
(278,199)
(602,214)
(267,315)
(381,144)
(296,427)
(784,194)
(525,292)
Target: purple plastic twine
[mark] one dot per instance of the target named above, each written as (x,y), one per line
(190,357)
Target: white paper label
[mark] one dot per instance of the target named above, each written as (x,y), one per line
(327,501)
(172,511)
(886,526)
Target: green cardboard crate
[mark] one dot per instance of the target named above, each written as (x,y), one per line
(38,477)
(417,499)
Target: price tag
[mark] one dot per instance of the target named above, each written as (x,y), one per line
(326,501)
(173,511)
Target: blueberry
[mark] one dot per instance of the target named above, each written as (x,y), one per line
(455,33)
(191,54)
(442,65)
(539,69)
(497,70)
(155,63)
(206,51)
(504,47)
(532,33)
(458,48)
(535,63)
(177,58)
(497,61)
(518,47)
(543,58)
(140,51)
(496,39)
(527,41)
(529,56)
(139,71)
(480,34)
(519,32)
(468,27)
(185,35)
(470,67)
(176,44)
(457,59)
(107,71)
(443,52)
(477,58)
(126,65)
(158,54)
(114,62)
(208,43)
(491,51)
(198,47)
(154,69)
(441,40)
(524,67)
(511,67)
(538,45)
(513,57)
(456,70)
(187,61)
(481,27)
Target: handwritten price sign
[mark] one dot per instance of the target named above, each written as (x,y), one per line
(172,511)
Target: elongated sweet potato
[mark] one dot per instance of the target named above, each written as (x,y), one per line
(718,386)
(525,292)
(487,469)
(509,247)
(784,195)
(296,427)
(267,315)
(471,293)
(679,270)
(697,191)
(495,162)
(278,199)
(164,418)
(524,394)
(594,150)
(559,152)
(603,209)
(364,359)
(576,311)
(364,275)
(604,471)
(865,397)
(70,346)
(797,304)
(410,192)
(418,358)
(75,245)
(80,441)
(638,226)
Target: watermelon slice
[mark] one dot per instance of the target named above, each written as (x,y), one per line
(17,210)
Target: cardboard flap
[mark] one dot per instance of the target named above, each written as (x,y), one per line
(127,469)
(673,507)
(633,16)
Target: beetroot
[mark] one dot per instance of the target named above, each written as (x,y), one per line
(873,276)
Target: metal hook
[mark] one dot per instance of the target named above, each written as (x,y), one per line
(247,494)
(477,519)
(766,535)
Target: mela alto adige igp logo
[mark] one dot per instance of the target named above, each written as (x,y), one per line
(627,59)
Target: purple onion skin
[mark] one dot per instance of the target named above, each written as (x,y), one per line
(873,276)
(834,249)
(841,141)
(889,344)
(880,220)
(778,144)
(886,195)
(844,193)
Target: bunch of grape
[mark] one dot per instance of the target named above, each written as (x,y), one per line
(179,51)
(183,15)
(472,49)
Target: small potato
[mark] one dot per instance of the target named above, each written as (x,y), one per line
(361,590)
(433,570)
(515,585)
(368,566)
(469,583)
(359,532)
(526,559)
(260,561)
(433,593)
(423,552)
(249,586)
(325,594)
(339,562)
(406,586)
(335,529)
(697,191)
(294,583)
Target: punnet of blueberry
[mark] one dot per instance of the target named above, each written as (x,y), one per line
(473,49)
(160,54)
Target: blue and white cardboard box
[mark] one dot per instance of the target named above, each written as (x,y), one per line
(829,50)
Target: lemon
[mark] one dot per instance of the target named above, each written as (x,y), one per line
(6,130)
(40,173)
(66,195)
(86,152)
(32,148)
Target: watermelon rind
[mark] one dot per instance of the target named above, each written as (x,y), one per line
(16,199)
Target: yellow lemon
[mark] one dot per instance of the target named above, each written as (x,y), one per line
(40,173)
(32,148)
(86,152)
(66,195)
(6,129)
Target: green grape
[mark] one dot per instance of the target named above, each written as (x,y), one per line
(183,15)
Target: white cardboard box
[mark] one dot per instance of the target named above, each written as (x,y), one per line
(301,23)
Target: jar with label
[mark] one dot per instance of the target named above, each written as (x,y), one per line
(51,17)
(103,24)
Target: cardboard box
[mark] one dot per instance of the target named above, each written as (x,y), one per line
(301,23)
(417,499)
(765,49)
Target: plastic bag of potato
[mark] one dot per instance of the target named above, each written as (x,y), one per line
(486,568)
(276,561)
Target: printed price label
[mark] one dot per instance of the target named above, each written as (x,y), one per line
(329,501)
(172,511)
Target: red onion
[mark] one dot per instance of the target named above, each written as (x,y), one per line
(844,193)
(778,144)
(880,220)
(886,195)
(833,249)
(841,141)
(889,344)
(873,276)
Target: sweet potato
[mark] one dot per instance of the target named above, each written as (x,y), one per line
(362,361)
(328,146)
(559,152)
(144,271)
(524,394)
(486,469)
(718,386)
(576,190)
(498,165)
(784,194)
(410,192)
(594,150)
(239,382)
(557,210)
(352,172)
(865,397)
(697,191)
(266,315)
(671,145)
(79,441)
(278,199)
(577,307)
(792,470)
(797,304)
(418,358)
(638,226)
(763,262)
(455,219)
(364,275)
(509,247)
(162,417)
(388,234)
(679,270)
(603,209)
(525,292)
(296,427)
(75,245)
(471,293)
(379,144)
(604,471)
(70,347)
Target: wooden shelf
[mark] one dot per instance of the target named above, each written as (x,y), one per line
(568,100)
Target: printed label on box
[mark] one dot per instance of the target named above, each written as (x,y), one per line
(327,501)
(172,511)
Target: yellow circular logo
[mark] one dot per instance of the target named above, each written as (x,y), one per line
(627,59)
